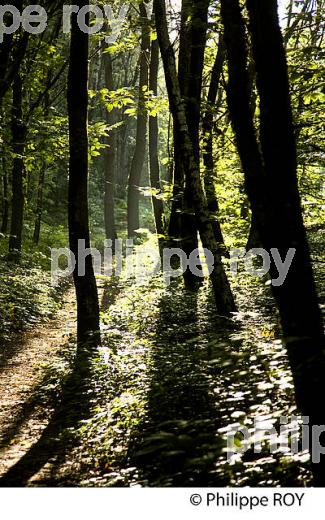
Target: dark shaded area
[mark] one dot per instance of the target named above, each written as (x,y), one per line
(110,293)
(206,375)
(177,445)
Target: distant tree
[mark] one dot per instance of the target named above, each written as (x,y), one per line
(19,134)
(155,181)
(41,178)
(142,126)
(110,155)
(5,197)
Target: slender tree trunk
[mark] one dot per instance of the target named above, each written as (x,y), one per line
(190,66)
(122,170)
(272,188)
(39,204)
(177,218)
(157,203)
(207,129)
(182,223)
(5,206)
(253,240)
(86,290)
(142,124)
(41,180)
(5,187)
(19,135)
(192,91)
(110,157)
(222,291)
(198,26)
(207,124)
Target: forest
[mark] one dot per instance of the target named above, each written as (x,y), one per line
(162,209)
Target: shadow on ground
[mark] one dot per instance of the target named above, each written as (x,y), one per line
(177,443)
(58,438)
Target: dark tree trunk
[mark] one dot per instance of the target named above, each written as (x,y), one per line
(253,240)
(142,124)
(122,148)
(5,187)
(190,67)
(253,237)
(41,180)
(192,93)
(175,224)
(184,56)
(86,290)
(39,204)
(110,157)
(157,203)
(272,189)
(5,200)
(198,31)
(19,135)
(207,129)
(222,291)
(182,223)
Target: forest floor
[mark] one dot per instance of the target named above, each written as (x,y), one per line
(171,379)
(23,366)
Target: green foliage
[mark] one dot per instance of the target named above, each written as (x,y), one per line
(26,297)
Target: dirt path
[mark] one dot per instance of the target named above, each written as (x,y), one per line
(22,369)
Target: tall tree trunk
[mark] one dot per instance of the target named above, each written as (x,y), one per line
(110,157)
(41,179)
(86,289)
(5,200)
(190,67)
(19,135)
(5,187)
(177,218)
(221,287)
(272,189)
(207,129)
(157,203)
(192,93)
(253,240)
(122,162)
(142,124)
(39,204)
(198,28)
